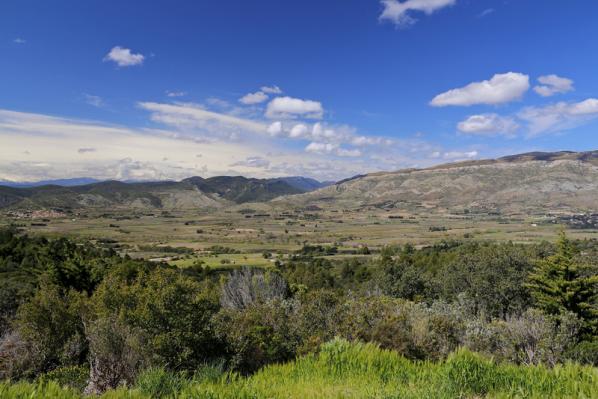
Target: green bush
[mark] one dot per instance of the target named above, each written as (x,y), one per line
(585,352)
(171,310)
(51,326)
(258,335)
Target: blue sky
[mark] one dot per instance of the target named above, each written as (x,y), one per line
(129,90)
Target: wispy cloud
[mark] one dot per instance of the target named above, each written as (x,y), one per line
(400,12)
(173,94)
(95,101)
(19,40)
(486,12)
(253,162)
(125,152)
(207,123)
(558,117)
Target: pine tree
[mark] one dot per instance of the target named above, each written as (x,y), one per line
(558,284)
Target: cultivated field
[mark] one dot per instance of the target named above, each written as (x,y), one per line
(248,233)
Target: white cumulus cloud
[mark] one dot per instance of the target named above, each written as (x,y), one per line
(501,88)
(399,12)
(124,57)
(553,84)
(298,131)
(488,125)
(275,129)
(289,108)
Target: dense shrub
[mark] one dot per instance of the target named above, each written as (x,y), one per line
(492,277)
(535,338)
(585,352)
(170,310)
(259,334)
(51,327)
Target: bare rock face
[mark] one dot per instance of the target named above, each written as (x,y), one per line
(527,183)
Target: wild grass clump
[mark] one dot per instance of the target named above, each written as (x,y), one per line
(358,370)
(161,383)
(74,377)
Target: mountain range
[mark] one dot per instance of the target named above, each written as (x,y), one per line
(193,192)
(524,183)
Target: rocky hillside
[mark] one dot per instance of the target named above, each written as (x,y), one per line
(526,183)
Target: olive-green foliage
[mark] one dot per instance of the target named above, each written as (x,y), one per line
(313,273)
(417,331)
(316,318)
(27,261)
(51,325)
(491,276)
(172,311)
(559,285)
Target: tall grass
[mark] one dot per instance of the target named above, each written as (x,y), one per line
(355,370)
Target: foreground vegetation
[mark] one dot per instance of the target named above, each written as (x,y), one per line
(345,370)
(78,319)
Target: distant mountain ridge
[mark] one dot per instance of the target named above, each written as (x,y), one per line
(193,192)
(536,182)
(77,181)
(533,182)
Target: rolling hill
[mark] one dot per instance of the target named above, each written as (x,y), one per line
(525,183)
(191,193)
